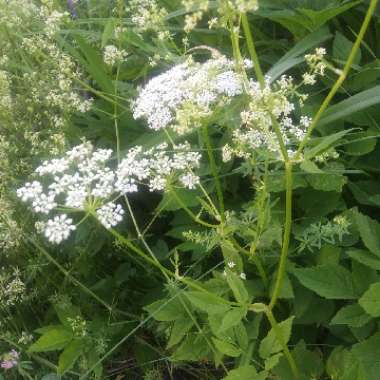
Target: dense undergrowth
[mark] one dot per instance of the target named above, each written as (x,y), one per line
(189,189)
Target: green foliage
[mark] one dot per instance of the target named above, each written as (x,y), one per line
(268,267)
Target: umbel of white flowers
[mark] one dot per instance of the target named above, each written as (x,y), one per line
(83,180)
(183,96)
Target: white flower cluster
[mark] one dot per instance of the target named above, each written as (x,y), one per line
(156,166)
(187,93)
(110,214)
(82,180)
(273,102)
(112,55)
(146,14)
(316,64)
(12,288)
(244,6)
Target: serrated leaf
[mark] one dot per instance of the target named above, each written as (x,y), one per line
(232,318)
(69,356)
(180,328)
(369,230)
(370,301)
(310,167)
(52,340)
(270,344)
(227,348)
(245,373)
(367,353)
(351,315)
(194,347)
(206,302)
(272,361)
(329,281)
(66,312)
(364,257)
(165,310)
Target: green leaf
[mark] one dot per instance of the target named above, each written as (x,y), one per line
(108,31)
(49,376)
(94,65)
(364,257)
(270,344)
(310,167)
(194,348)
(323,143)
(362,143)
(272,361)
(226,348)
(69,356)
(232,318)
(237,286)
(329,281)
(347,107)
(369,230)
(241,336)
(368,353)
(296,55)
(165,310)
(351,315)
(65,312)
(52,340)
(169,202)
(245,373)
(342,48)
(309,363)
(180,328)
(207,302)
(370,301)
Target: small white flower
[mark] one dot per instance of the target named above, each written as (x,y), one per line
(190,181)
(110,214)
(305,121)
(59,228)
(243,276)
(30,191)
(231,264)
(113,55)
(309,78)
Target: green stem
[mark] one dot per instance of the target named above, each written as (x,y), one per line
(76,282)
(189,212)
(252,50)
(341,79)
(286,238)
(255,259)
(287,353)
(214,171)
(167,272)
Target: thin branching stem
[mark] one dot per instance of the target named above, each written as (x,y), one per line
(342,77)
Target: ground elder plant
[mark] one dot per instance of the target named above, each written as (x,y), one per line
(189,189)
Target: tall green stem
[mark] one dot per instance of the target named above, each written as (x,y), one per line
(214,171)
(252,50)
(286,237)
(341,79)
